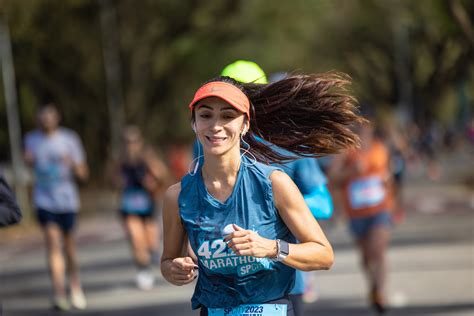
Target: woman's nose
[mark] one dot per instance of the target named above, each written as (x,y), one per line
(216,125)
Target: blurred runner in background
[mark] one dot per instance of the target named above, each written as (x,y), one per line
(365,178)
(58,159)
(140,175)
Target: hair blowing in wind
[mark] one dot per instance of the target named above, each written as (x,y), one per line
(309,115)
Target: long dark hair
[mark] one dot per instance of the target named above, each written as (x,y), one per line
(309,115)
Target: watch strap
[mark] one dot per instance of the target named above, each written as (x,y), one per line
(283,250)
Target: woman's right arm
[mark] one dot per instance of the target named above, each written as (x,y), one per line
(114,174)
(176,268)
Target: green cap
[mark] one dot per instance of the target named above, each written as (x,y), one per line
(245,71)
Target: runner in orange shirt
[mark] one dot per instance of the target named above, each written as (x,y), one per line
(364,177)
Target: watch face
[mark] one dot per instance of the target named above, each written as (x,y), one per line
(284,248)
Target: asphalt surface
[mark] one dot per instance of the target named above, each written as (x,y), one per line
(431,265)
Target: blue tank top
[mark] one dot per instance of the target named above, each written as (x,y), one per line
(225,279)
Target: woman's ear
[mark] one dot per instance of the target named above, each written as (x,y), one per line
(245,129)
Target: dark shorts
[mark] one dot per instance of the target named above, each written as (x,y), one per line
(66,221)
(146,215)
(360,227)
(284,301)
(298,304)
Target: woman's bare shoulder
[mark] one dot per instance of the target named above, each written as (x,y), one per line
(172,193)
(280,178)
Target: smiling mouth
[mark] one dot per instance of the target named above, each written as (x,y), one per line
(216,139)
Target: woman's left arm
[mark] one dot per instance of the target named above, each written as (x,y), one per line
(313,252)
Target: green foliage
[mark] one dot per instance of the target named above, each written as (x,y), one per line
(167,48)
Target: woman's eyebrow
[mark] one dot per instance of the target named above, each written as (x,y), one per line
(205,106)
(200,106)
(231,108)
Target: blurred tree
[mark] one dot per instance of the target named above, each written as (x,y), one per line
(384,44)
(57,53)
(397,51)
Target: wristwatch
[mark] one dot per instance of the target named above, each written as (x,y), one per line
(283,250)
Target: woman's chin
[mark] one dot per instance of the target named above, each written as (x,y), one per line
(217,150)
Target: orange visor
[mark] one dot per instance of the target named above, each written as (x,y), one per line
(225,91)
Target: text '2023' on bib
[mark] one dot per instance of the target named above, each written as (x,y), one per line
(250,310)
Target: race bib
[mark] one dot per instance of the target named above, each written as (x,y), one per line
(366,192)
(250,310)
(220,259)
(136,201)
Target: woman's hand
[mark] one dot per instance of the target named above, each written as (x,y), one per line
(249,243)
(181,271)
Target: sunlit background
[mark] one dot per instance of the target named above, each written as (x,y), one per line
(109,63)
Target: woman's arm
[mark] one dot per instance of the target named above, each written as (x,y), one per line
(175,267)
(157,176)
(312,253)
(81,171)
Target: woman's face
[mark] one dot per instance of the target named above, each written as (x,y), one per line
(218,125)
(133,142)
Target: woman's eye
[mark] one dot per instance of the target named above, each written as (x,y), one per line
(228,116)
(204,115)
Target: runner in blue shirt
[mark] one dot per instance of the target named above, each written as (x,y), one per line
(58,159)
(311,182)
(242,217)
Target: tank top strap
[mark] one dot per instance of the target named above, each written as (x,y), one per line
(263,168)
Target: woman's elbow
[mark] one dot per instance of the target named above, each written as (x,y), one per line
(329,260)
(324,260)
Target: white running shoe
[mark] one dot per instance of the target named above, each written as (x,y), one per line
(78,300)
(61,304)
(145,280)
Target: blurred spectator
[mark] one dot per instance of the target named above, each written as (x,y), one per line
(58,159)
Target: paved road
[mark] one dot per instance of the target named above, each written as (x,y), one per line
(431,259)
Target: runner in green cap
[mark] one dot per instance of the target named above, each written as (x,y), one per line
(245,71)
